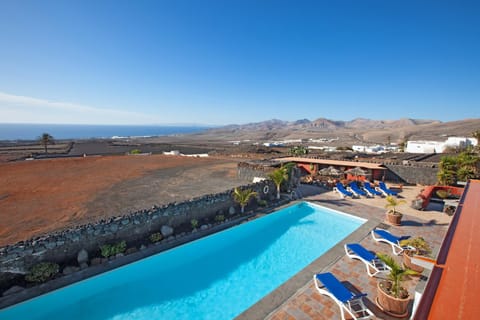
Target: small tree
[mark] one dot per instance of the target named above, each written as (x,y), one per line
(392,203)
(278,177)
(402,146)
(298,151)
(45,140)
(242,197)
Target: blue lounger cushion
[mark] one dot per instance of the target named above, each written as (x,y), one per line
(349,303)
(387,191)
(373,264)
(337,288)
(381,235)
(356,189)
(361,252)
(342,190)
(369,188)
(388,236)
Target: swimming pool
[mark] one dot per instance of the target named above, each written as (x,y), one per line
(217,277)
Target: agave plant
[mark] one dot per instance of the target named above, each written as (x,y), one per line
(421,246)
(397,274)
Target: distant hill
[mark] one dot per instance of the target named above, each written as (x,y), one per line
(358,130)
(326,124)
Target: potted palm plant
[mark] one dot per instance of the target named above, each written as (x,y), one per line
(393,216)
(416,246)
(392,297)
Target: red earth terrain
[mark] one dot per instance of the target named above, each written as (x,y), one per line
(40,196)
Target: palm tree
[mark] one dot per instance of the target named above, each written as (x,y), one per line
(392,203)
(278,177)
(464,173)
(45,140)
(242,197)
(396,274)
(447,170)
(467,165)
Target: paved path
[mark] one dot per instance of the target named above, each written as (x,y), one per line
(306,303)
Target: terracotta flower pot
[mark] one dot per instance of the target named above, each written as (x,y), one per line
(407,261)
(395,307)
(393,219)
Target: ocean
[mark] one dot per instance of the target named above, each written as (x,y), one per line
(9,131)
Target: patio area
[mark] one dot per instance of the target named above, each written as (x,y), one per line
(307,303)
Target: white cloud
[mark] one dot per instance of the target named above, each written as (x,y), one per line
(23,109)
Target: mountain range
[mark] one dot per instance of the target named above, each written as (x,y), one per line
(359,130)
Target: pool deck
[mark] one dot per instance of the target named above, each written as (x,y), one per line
(297,299)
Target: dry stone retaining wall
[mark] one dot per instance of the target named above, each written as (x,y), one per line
(248,171)
(63,246)
(425,174)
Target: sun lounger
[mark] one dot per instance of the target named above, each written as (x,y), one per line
(351,303)
(356,190)
(383,189)
(342,191)
(368,188)
(381,235)
(373,264)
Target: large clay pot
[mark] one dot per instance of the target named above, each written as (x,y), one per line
(394,219)
(407,261)
(395,307)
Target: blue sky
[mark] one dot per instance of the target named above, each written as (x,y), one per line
(222,62)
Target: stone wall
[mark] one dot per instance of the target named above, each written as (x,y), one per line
(400,172)
(62,247)
(261,169)
(248,171)
(425,174)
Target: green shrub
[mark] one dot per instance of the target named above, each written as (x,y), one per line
(194,223)
(262,203)
(135,151)
(443,194)
(219,218)
(42,272)
(109,250)
(155,237)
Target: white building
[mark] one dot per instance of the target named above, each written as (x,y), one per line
(424,146)
(438,146)
(370,149)
(171,153)
(359,148)
(323,148)
(460,142)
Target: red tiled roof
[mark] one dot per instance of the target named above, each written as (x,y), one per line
(329,162)
(454,286)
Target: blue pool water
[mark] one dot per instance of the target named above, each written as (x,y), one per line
(217,277)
